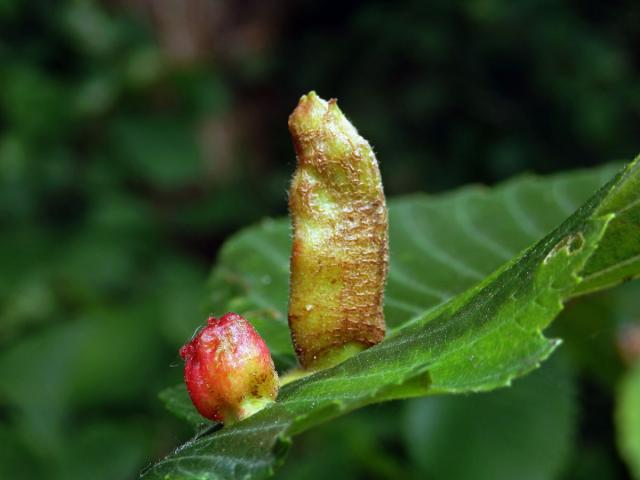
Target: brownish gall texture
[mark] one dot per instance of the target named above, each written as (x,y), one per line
(340,245)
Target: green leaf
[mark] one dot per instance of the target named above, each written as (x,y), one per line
(525,432)
(618,255)
(478,340)
(176,400)
(628,420)
(440,246)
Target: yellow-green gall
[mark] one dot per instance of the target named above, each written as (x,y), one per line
(339,257)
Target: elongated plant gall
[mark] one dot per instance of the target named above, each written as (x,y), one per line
(340,245)
(228,370)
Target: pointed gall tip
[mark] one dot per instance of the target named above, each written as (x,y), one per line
(334,110)
(308,114)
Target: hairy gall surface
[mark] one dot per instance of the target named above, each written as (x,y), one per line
(339,256)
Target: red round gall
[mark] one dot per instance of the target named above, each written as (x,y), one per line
(228,370)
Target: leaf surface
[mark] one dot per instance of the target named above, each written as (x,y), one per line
(451,330)
(439,247)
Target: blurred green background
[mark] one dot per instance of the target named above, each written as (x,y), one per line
(136,135)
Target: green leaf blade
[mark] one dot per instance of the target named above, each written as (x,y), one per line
(176,400)
(479,228)
(617,257)
(479,340)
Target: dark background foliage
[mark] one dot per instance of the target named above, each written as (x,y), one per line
(136,135)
